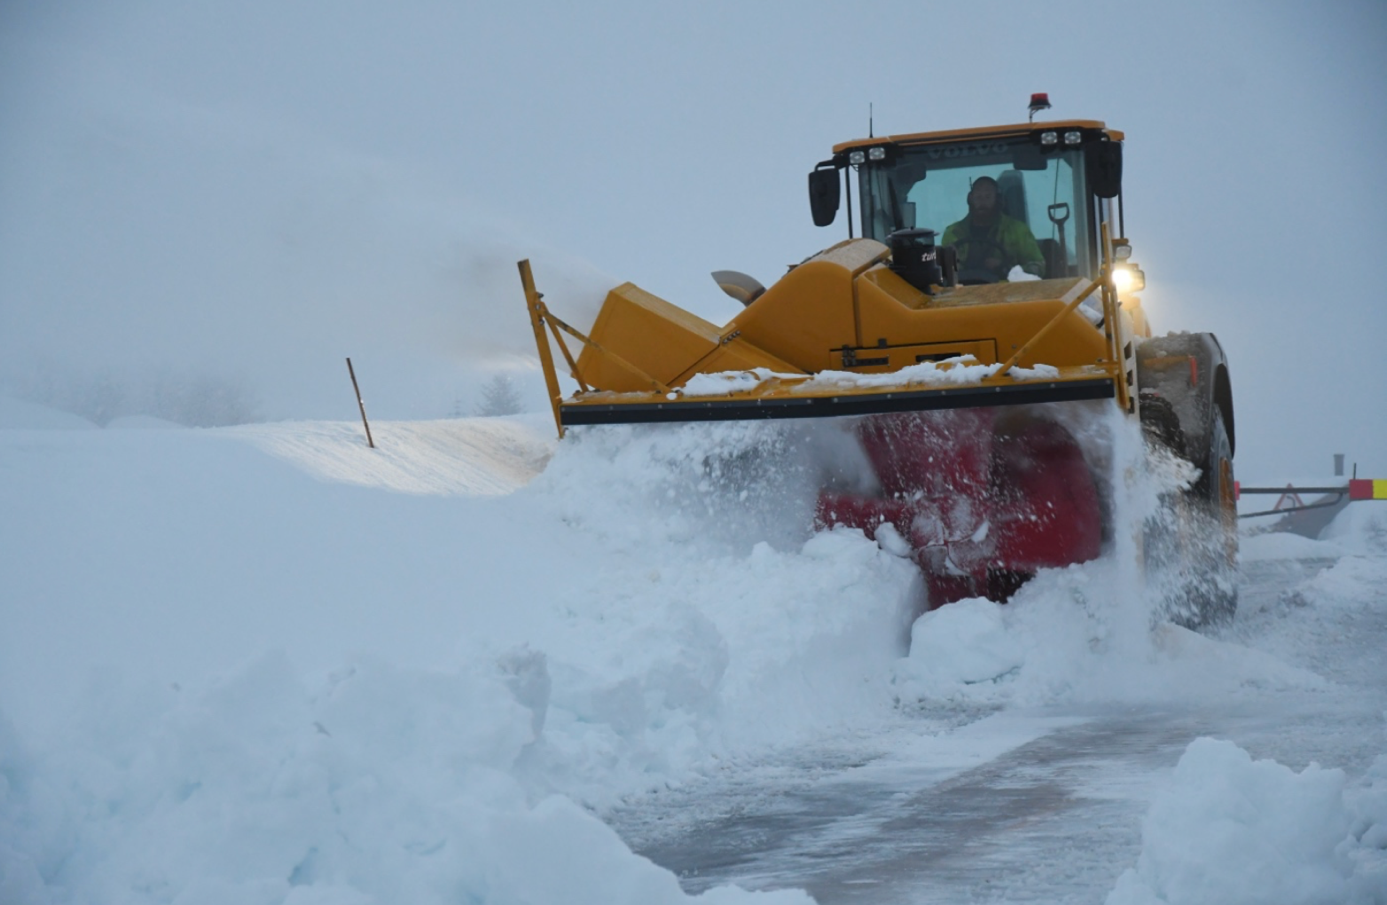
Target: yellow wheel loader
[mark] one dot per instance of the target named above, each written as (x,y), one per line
(992,278)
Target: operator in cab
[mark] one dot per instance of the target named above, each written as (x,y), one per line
(990,242)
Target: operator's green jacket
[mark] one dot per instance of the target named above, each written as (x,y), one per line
(1010,234)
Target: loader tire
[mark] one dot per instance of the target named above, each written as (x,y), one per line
(1207,594)
(1216,502)
(1192,543)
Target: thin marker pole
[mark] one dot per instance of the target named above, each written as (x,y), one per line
(361,405)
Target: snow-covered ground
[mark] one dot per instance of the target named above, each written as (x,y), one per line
(265,664)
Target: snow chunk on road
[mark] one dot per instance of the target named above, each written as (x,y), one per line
(1233,830)
(964,642)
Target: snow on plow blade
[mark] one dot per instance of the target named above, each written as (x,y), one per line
(790,398)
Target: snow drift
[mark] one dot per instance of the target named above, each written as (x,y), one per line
(1232,830)
(262,664)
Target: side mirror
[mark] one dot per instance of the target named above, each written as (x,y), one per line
(1103,164)
(824,188)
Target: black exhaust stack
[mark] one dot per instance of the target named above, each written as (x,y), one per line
(919,262)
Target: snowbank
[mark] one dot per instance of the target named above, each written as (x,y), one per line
(1075,635)
(609,629)
(381,784)
(716,617)
(1285,545)
(1233,830)
(1360,528)
(1352,582)
(266,664)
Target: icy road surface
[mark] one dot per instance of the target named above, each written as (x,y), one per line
(1048,821)
(267,666)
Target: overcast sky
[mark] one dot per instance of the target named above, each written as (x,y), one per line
(256,189)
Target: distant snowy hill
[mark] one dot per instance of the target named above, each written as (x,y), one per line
(16,414)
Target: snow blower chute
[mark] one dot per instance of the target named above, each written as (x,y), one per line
(992,279)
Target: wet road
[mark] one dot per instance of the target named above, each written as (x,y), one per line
(1054,819)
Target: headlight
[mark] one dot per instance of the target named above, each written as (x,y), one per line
(1072,138)
(876,153)
(1128,278)
(857,157)
(1049,138)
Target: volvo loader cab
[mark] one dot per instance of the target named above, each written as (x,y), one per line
(1055,183)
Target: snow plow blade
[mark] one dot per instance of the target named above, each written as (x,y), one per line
(790,398)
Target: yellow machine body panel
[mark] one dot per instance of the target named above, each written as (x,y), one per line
(664,342)
(843,309)
(1005,315)
(977,132)
(658,338)
(736,354)
(810,311)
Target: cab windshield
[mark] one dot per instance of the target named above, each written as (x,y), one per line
(1000,203)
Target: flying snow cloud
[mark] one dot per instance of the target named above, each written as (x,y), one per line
(213,265)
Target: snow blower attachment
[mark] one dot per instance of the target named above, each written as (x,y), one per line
(924,331)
